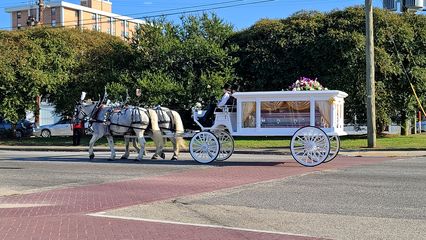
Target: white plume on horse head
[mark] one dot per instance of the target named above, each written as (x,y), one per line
(83,96)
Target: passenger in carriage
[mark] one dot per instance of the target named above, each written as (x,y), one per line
(206,120)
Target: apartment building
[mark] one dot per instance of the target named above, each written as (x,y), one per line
(90,14)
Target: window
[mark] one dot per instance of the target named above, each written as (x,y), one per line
(18,15)
(127,34)
(127,24)
(77,14)
(19,26)
(53,23)
(109,30)
(53,11)
(278,114)
(94,16)
(249,115)
(123,34)
(94,27)
(122,23)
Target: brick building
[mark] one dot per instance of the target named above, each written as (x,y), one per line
(90,14)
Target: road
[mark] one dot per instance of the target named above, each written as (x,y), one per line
(247,197)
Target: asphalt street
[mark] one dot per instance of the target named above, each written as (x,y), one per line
(382,200)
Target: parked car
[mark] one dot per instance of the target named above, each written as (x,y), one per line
(23,128)
(61,128)
(6,128)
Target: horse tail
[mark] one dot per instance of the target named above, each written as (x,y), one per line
(156,132)
(179,129)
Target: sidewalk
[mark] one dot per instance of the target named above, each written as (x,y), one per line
(262,151)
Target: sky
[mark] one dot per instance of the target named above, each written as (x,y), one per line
(240,13)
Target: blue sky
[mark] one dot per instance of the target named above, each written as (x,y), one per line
(242,16)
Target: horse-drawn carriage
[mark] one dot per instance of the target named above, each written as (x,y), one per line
(314,119)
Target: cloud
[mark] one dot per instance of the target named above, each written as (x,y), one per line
(147,3)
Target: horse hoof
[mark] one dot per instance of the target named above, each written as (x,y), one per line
(92,156)
(155,157)
(174,158)
(110,159)
(123,157)
(163,156)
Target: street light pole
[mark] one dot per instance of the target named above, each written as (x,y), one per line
(371,93)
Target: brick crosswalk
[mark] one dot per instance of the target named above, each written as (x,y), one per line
(62,213)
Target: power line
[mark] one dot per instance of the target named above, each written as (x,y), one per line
(145,14)
(170,14)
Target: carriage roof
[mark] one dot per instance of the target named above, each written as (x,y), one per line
(290,94)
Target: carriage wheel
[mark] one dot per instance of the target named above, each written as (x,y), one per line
(334,148)
(226,142)
(204,147)
(310,146)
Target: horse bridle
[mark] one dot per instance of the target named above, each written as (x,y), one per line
(80,109)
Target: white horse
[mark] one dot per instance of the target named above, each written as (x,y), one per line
(167,122)
(132,118)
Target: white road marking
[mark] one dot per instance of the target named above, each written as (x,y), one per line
(102,214)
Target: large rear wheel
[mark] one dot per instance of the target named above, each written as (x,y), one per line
(334,148)
(204,147)
(310,146)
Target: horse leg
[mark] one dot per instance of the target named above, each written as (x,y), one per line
(135,145)
(175,149)
(141,139)
(157,137)
(111,147)
(126,144)
(94,138)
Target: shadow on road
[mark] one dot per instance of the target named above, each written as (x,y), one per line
(185,162)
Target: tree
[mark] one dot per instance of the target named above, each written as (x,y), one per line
(331,47)
(179,64)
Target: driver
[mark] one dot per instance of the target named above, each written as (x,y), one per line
(206,119)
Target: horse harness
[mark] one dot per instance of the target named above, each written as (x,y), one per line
(165,116)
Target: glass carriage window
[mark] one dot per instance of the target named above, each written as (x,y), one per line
(322,114)
(249,114)
(279,114)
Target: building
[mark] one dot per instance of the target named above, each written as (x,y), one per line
(90,14)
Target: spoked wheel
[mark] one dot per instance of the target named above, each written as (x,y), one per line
(204,147)
(226,142)
(334,148)
(310,146)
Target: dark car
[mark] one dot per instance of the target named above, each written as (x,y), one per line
(23,128)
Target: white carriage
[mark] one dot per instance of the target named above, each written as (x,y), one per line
(314,119)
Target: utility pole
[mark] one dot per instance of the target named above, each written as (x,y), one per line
(41,12)
(371,92)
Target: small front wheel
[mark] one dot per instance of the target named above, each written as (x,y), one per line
(226,142)
(204,147)
(310,146)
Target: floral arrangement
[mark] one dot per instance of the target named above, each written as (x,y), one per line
(306,84)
